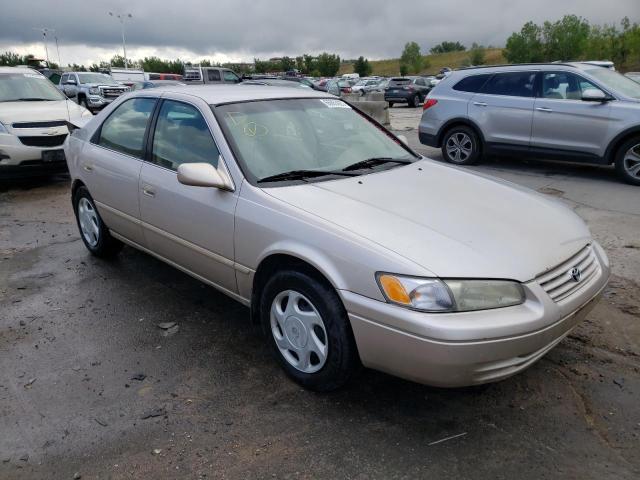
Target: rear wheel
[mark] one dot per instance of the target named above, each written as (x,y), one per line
(93,231)
(628,161)
(308,330)
(415,101)
(461,146)
(390,104)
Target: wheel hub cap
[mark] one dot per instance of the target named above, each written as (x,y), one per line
(632,161)
(299,332)
(459,147)
(88,220)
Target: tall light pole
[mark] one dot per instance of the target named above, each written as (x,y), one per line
(121,18)
(44,31)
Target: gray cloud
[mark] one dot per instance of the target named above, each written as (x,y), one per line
(242,29)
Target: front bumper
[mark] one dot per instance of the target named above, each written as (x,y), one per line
(470,348)
(18,160)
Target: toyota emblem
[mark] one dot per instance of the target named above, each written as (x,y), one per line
(576,274)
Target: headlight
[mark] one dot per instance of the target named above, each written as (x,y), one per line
(94,91)
(435,295)
(3,129)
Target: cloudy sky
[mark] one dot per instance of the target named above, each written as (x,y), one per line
(239,30)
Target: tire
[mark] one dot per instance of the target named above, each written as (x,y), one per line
(390,104)
(415,101)
(461,146)
(627,161)
(93,231)
(298,311)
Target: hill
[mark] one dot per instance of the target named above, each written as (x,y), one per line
(493,56)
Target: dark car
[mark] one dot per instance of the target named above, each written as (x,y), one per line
(409,90)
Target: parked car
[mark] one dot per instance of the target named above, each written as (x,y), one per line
(91,90)
(155,84)
(276,82)
(127,76)
(571,111)
(361,86)
(34,123)
(338,86)
(303,81)
(163,76)
(635,76)
(292,203)
(199,75)
(409,90)
(321,85)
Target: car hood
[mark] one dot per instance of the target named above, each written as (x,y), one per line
(44,111)
(451,222)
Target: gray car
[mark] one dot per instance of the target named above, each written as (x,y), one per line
(572,111)
(348,248)
(90,89)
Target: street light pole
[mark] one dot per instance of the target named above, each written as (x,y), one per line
(44,31)
(121,18)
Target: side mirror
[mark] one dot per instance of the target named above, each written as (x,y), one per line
(403,139)
(203,175)
(594,95)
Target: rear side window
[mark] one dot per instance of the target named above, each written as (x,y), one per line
(213,75)
(182,136)
(399,81)
(472,83)
(514,84)
(123,131)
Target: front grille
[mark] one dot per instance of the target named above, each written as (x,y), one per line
(44,141)
(559,283)
(112,92)
(55,123)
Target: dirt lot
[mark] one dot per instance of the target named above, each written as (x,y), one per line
(90,386)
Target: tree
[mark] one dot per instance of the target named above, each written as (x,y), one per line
(525,46)
(565,39)
(300,64)
(328,64)
(411,58)
(446,47)
(309,63)
(118,61)
(403,70)
(362,67)
(286,64)
(476,54)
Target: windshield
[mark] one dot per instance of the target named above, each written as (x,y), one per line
(616,82)
(27,86)
(275,136)
(100,78)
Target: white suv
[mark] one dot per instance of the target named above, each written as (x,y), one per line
(570,111)
(34,123)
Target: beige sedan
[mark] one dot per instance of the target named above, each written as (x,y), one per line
(349,248)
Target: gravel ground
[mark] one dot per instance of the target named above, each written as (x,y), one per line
(91,387)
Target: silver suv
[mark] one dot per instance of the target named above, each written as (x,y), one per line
(565,111)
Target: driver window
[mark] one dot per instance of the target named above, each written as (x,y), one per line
(229,76)
(564,86)
(182,136)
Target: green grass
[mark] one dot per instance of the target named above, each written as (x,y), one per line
(493,56)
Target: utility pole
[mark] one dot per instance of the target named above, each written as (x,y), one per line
(58,50)
(44,31)
(121,18)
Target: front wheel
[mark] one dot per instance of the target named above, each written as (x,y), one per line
(628,161)
(461,146)
(415,102)
(93,231)
(308,330)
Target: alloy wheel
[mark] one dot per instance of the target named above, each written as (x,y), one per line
(631,161)
(459,147)
(299,331)
(88,219)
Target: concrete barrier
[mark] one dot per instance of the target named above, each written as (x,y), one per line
(377,109)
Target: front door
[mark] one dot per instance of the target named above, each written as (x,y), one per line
(114,157)
(504,108)
(190,226)
(563,121)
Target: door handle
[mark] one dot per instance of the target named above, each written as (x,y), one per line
(544,109)
(87,167)
(149,191)
(480,104)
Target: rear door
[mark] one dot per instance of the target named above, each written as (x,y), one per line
(562,121)
(504,108)
(111,165)
(192,227)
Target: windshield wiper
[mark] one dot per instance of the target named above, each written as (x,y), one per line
(372,162)
(302,174)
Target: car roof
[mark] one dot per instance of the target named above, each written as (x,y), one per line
(17,70)
(219,94)
(530,66)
